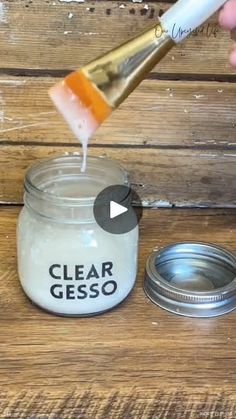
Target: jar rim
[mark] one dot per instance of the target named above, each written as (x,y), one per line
(105,165)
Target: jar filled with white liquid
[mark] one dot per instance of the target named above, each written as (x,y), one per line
(68,264)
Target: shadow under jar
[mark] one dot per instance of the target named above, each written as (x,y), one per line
(67,263)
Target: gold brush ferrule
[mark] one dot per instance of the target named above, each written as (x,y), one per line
(117,73)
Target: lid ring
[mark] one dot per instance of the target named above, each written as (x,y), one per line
(211,269)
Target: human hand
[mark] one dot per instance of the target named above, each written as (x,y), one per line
(227,19)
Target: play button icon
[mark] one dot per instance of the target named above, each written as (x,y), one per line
(117,209)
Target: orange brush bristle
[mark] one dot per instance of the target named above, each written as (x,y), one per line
(81,104)
(89,95)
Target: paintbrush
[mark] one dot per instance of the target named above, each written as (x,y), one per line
(88,96)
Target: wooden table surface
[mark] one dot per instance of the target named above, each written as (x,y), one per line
(175,133)
(137,361)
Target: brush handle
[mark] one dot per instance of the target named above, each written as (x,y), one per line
(186,15)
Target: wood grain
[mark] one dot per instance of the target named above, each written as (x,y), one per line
(39,35)
(133,404)
(161,177)
(137,361)
(163,113)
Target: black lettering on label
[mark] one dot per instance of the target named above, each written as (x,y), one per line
(92,273)
(106,268)
(65,271)
(82,291)
(94,291)
(109,287)
(51,271)
(79,270)
(54,292)
(70,292)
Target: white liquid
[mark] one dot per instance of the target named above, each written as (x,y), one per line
(79,118)
(74,269)
(42,244)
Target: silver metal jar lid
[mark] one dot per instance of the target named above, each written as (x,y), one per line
(192,279)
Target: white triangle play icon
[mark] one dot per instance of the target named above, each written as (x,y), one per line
(116,209)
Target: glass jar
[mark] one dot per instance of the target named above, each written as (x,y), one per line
(67,263)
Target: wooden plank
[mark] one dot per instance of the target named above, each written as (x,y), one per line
(160,113)
(132,361)
(161,177)
(134,404)
(40,34)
